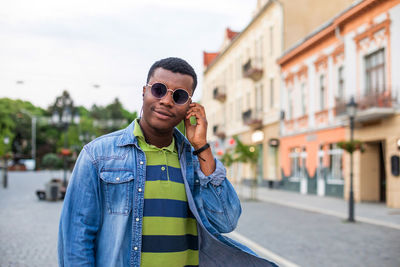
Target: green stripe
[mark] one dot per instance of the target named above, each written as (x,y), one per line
(188,257)
(164,190)
(169,226)
(162,158)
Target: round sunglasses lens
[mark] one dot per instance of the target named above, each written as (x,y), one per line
(180,96)
(158,90)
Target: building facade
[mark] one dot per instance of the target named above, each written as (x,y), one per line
(352,55)
(241,87)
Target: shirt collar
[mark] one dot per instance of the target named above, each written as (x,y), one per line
(137,131)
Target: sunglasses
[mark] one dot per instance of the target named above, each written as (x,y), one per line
(159,90)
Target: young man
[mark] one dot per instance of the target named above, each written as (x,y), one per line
(146,195)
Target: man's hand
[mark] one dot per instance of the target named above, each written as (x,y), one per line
(196,134)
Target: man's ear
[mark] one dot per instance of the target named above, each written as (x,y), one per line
(144,89)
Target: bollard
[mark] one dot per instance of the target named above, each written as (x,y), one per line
(53,190)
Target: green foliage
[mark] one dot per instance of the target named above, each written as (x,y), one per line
(52,162)
(351,146)
(227,159)
(245,153)
(16,124)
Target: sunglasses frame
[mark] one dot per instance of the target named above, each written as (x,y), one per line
(168,90)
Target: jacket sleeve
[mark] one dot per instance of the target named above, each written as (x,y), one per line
(80,216)
(220,202)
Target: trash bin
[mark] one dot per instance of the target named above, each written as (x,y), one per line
(53,190)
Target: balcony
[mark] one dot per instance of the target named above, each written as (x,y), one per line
(375,106)
(252,70)
(252,118)
(219,94)
(219,131)
(340,107)
(372,106)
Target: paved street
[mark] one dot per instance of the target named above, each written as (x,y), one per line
(28,227)
(28,231)
(312,239)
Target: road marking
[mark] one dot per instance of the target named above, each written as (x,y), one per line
(262,251)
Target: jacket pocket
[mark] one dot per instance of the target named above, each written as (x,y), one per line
(118,191)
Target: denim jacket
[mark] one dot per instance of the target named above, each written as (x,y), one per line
(101,220)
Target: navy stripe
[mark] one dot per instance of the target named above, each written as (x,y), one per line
(167,208)
(169,243)
(154,173)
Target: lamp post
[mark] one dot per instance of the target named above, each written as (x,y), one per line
(33,135)
(6,141)
(351,109)
(64,115)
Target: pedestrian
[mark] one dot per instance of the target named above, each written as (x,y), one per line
(148,196)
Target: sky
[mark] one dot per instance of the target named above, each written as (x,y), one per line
(48,46)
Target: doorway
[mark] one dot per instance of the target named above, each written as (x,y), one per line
(372,179)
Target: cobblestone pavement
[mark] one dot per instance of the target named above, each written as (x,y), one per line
(28,227)
(312,239)
(28,231)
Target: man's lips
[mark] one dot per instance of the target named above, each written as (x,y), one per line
(163,113)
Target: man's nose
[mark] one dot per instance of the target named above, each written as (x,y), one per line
(168,99)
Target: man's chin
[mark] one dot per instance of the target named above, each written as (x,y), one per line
(164,126)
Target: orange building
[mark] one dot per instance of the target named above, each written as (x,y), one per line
(352,55)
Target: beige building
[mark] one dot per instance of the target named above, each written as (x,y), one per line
(352,56)
(241,87)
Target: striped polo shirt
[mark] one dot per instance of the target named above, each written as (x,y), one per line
(169,233)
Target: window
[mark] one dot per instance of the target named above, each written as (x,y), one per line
(335,163)
(295,162)
(259,99)
(259,52)
(340,83)
(322,92)
(272,162)
(238,68)
(239,108)
(290,105)
(271,43)
(375,72)
(303,99)
(248,105)
(271,93)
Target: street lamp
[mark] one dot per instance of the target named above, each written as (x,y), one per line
(63,115)
(351,109)
(33,134)
(6,141)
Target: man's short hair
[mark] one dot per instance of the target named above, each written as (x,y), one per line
(176,65)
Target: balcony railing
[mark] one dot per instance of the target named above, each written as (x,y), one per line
(219,131)
(219,94)
(375,100)
(252,70)
(252,118)
(370,106)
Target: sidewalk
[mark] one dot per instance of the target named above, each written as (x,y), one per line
(373,213)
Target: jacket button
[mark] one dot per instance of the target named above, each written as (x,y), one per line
(141,163)
(163,168)
(135,248)
(140,189)
(137,219)
(117,178)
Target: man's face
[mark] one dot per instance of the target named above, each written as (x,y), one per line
(163,114)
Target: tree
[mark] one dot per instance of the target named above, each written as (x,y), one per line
(248,154)
(245,154)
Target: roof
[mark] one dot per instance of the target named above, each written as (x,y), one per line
(208,58)
(231,34)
